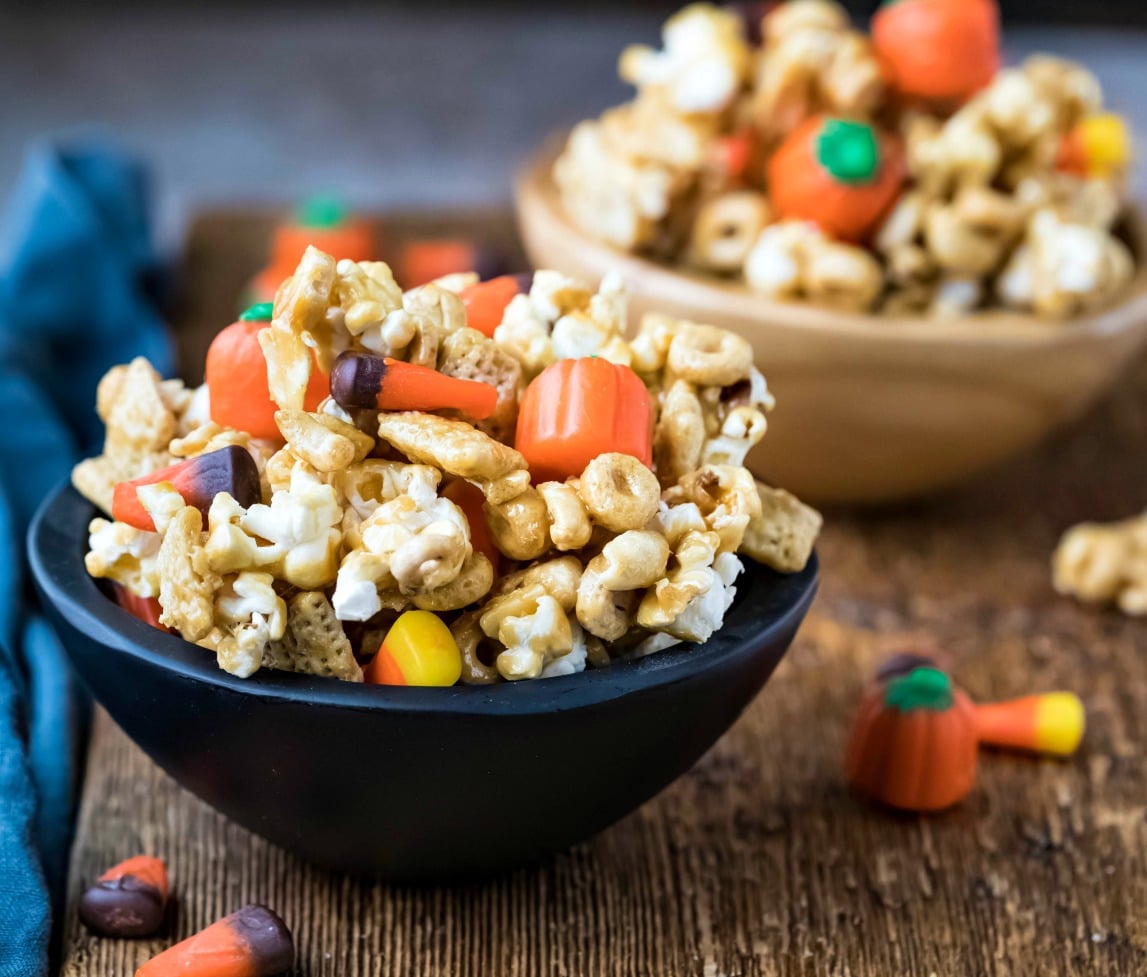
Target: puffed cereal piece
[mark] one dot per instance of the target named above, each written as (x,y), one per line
(139,426)
(958,246)
(314,641)
(783,533)
(322,441)
(469,355)
(520,526)
(473,583)
(569,523)
(470,637)
(458,449)
(1104,563)
(727,497)
(702,64)
(679,435)
(726,226)
(187,584)
(619,492)
(610,587)
(299,316)
(119,552)
(708,356)
(964,150)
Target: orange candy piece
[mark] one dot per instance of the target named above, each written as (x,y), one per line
(252,942)
(938,50)
(424,261)
(417,650)
(147,609)
(236,375)
(575,410)
(470,500)
(486,302)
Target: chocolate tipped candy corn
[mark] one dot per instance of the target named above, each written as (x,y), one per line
(418,650)
(129,899)
(198,480)
(382,383)
(251,942)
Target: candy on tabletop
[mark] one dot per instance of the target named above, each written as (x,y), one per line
(417,650)
(236,377)
(842,175)
(196,481)
(938,50)
(147,609)
(251,942)
(364,380)
(129,899)
(486,301)
(577,409)
(914,742)
(1051,724)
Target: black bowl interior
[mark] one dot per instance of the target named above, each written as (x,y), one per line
(396,781)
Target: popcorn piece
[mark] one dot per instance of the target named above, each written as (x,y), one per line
(314,641)
(702,64)
(324,442)
(249,616)
(726,497)
(783,533)
(1104,563)
(119,552)
(571,662)
(469,355)
(187,583)
(458,449)
(370,303)
(725,229)
(299,324)
(140,425)
(794,260)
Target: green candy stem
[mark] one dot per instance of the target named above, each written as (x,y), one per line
(260,312)
(322,212)
(848,151)
(921,688)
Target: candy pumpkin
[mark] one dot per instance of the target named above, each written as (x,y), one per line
(575,410)
(843,176)
(914,743)
(938,50)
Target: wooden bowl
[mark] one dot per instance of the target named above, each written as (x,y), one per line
(870,408)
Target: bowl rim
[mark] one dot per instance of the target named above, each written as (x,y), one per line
(55,544)
(536,200)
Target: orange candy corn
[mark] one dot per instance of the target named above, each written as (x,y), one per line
(486,302)
(382,383)
(417,650)
(252,942)
(1052,723)
(129,899)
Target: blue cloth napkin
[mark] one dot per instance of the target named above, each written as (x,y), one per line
(75,263)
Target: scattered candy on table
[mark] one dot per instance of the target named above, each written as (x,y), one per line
(251,942)
(522,500)
(129,899)
(902,173)
(915,740)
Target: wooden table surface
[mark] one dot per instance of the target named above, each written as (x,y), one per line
(759,861)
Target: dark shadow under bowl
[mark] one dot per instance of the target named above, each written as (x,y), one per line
(412,784)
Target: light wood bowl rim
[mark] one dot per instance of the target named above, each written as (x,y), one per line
(537,200)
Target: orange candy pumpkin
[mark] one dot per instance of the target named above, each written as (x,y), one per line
(938,50)
(914,743)
(575,410)
(842,175)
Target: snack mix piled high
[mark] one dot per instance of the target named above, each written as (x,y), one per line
(904,172)
(468,481)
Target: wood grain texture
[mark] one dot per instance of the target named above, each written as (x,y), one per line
(759,861)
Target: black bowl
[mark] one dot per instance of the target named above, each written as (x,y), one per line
(412,784)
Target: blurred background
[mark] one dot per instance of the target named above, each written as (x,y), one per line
(415,104)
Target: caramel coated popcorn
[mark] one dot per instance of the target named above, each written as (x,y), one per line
(330,536)
(1104,563)
(1006,196)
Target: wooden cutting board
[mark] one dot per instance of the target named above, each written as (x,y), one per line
(759,861)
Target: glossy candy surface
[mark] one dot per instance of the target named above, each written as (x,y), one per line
(841,175)
(236,376)
(938,50)
(251,942)
(382,383)
(575,410)
(470,500)
(129,899)
(486,301)
(1052,723)
(418,650)
(198,480)
(1099,146)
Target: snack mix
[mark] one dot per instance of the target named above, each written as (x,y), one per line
(468,481)
(904,172)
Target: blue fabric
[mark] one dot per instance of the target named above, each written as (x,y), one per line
(75,262)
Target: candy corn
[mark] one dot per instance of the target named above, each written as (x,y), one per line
(486,302)
(382,383)
(1052,723)
(252,942)
(198,480)
(129,899)
(418,650)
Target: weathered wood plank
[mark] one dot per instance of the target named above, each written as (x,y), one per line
(759,861)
